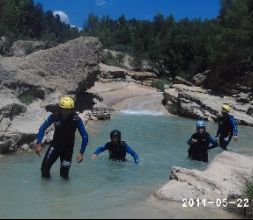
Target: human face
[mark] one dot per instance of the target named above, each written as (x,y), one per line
(115,140)
(201,130)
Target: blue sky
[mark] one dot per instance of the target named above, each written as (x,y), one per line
(75,12)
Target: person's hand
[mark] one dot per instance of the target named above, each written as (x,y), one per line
(194,141)
(226,139)
(38,149)
(94,157)
(79,158)
(235,138)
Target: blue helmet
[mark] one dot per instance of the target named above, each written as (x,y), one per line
(201,124)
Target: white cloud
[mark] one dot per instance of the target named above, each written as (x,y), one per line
(63,16)
(101,2)
(79,28)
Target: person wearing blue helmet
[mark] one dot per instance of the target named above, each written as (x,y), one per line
(200,143)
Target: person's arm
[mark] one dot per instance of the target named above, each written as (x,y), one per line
(43,128)
(189,142)
(219,129)
(192,140)
(133,154)
(234,125)
(41,133)
(83,134)
(101,149)
(212,143)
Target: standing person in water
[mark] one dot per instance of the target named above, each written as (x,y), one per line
(227,128)
(200,143)
(117,149)
(66,122)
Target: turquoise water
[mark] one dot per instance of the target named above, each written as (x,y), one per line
(104,189)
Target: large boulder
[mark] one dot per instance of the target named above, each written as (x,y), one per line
(200,79)
(66,68)
(30,84)
(11,142)
(101,111)
(224,176)
(22,48)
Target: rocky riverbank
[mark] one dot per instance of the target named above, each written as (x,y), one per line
(28,84)
(223,180)
(196,102)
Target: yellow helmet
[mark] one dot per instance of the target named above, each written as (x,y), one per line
(226,108)
(66,103)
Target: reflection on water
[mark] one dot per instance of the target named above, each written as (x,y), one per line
(104,189)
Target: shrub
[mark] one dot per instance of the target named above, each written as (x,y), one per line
(159,84)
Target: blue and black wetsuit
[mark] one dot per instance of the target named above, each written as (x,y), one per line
(227,128)
(63,142)
(199,150)
(118,152)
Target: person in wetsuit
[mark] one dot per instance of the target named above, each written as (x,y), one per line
(117,149)
(66,122)
(227,128)
(200,143)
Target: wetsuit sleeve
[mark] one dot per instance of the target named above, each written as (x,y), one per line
(101,149)
(44,127)
(212,143)
(133,154)
(189,142)
(83,134)
(219,129)
(234,125)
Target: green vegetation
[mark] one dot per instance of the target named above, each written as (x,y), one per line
(185,47)
(28,49)
(159,85)
(109,59)
(23,19)
(30,95)
(248,191)
(26,98)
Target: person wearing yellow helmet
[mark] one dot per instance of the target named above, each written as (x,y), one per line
(66,122)
(227,127)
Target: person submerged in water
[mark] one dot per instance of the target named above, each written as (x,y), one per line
(117,149)
(66,122)
(200,143)
(227,128)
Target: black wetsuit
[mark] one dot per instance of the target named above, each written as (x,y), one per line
(226,129)
(63,142)
(118,152)
(199,150)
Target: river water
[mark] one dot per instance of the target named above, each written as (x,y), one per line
(104,189)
